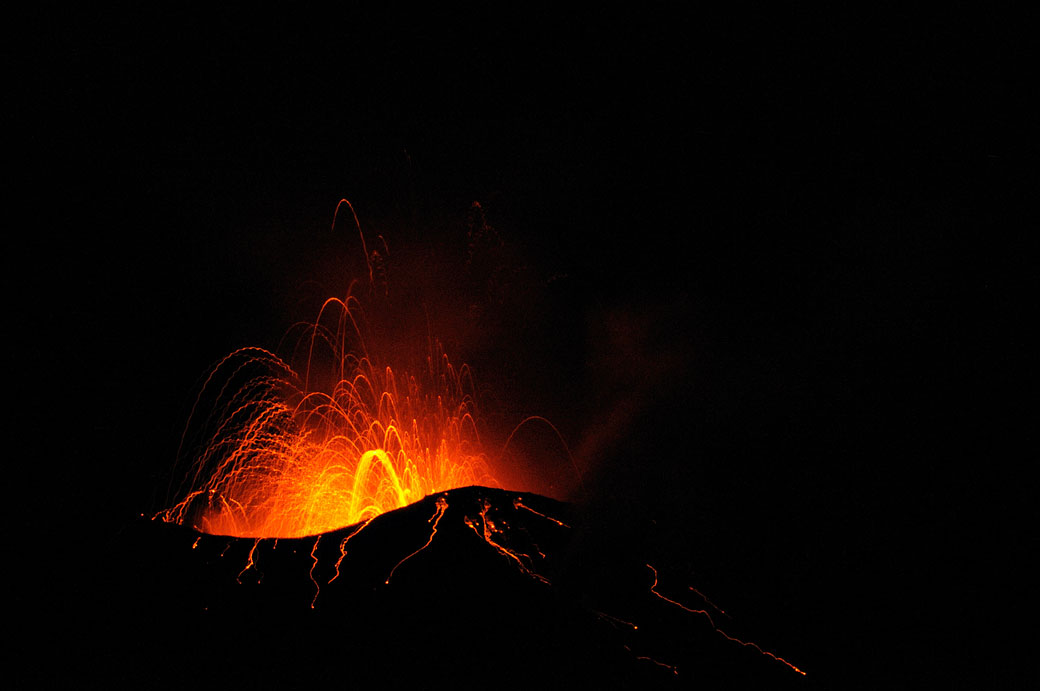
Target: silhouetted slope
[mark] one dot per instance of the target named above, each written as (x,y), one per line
(183,610)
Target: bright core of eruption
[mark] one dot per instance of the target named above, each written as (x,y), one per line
(284,453)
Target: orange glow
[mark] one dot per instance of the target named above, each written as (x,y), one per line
(294,453)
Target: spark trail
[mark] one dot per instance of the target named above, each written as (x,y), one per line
(487,532)
(314,557)
(653,589)
(250,562)
(343,548)
(442,506)
(518,503)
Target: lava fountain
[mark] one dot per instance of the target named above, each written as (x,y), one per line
(293,451)
(333,436)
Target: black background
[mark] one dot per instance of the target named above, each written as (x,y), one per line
(768,273)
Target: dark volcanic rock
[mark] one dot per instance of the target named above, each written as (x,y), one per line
(175,608)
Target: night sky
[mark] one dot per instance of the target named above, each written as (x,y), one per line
(763,272)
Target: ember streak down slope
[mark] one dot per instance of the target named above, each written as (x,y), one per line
(462,610)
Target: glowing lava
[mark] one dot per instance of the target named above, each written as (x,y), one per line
(279,456)
(280,451)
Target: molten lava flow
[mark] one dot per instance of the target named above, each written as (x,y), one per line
(280,455)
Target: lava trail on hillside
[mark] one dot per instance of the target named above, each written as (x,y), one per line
(472,585)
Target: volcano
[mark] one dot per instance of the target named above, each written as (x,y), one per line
(487,587)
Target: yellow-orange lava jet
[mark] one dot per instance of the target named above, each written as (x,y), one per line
(280,455)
